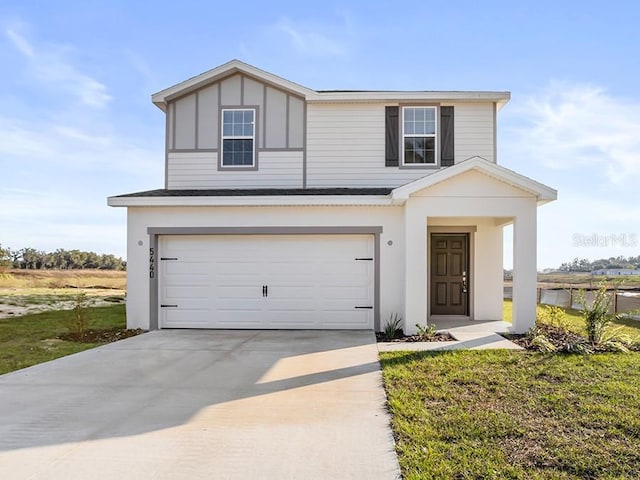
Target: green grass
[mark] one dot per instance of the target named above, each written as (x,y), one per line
(523,415)
(31,339)
(575,321)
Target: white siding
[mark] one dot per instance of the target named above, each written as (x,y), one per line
(345,147)
(473,125)
(200,170)
(346,144)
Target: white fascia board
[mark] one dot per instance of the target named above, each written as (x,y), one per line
(160,99)
(542,192)
(415,96)
(298,200)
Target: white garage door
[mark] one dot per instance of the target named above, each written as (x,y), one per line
(266,281)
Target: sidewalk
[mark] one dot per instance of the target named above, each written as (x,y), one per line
(475,335)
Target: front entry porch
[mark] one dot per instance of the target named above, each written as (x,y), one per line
(475,200)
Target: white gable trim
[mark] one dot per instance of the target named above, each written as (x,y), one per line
(234,66)
(542,192)
(161,98)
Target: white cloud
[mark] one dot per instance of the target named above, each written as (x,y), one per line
(317,40)
(575,126)
(50,67)
(73,149)
(20,43)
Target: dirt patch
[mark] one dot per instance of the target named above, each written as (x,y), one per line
(101,336)
(438,337)
(18,305)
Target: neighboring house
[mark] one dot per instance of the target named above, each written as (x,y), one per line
(285,207)
(615,271)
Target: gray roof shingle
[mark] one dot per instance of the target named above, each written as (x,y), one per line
(259,192)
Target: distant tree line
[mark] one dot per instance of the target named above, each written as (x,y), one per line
(33,259)
(584,265)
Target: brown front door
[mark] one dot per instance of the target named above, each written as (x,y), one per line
(449,274)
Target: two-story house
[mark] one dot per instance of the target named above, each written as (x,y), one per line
(289,208)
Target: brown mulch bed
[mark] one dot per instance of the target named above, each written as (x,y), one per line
(101,336)
(559,337)
(438,337)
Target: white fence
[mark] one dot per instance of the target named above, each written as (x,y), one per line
(622,302)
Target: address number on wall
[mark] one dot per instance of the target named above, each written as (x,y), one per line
(152,262)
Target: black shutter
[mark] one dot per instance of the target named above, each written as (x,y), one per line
(447,157)
(391,137)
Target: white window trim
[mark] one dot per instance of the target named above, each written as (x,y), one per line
(436,153)
(224,137)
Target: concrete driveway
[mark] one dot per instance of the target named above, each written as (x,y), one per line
(202,404)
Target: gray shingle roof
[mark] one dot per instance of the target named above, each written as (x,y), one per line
(261,192)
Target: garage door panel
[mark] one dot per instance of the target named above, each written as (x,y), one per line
(350,321)
(231,304)
(226,268)
(242,319)
(314,281)
(187,318)
(237,289)
(349,293)
(184,267)
(186,291)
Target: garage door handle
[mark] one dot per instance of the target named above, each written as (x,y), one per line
(168,258)
(364,308)
(265,291)
(165,306)
(365,258)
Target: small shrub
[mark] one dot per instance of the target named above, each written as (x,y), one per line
(615,346)
(597,317)
(554,316)
(427,332)
(542,343)
(580,347)
(79,318)
(393,327)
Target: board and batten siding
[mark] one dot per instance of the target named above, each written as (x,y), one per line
(199,170)
(194,119)
(346,144)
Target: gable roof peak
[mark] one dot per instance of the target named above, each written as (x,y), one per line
(542,192)
(227,69)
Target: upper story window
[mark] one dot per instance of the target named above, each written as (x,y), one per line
(238,137)
(419,139)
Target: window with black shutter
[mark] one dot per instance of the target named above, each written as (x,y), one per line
(419,136)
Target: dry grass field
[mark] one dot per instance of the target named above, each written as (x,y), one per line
(31,291)
(582,280)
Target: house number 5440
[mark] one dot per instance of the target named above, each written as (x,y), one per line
(152,262)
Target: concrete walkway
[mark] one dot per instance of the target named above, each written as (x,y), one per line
(202,404)
(476,335)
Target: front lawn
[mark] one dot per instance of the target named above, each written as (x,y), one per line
(500,414)
(31,339)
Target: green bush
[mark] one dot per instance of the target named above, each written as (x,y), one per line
(393,327)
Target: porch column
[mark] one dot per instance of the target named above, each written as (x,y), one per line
(415,269)
(525,274)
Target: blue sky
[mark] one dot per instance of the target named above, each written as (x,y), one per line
(77,123)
